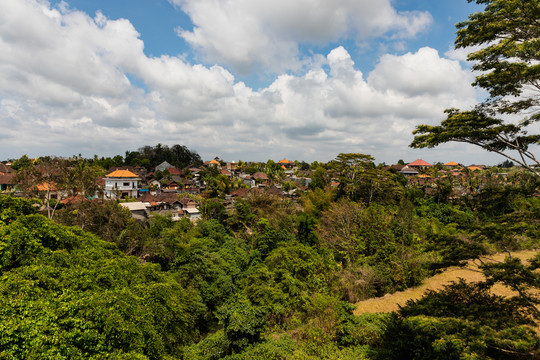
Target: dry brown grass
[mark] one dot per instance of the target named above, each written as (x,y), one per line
(470,273)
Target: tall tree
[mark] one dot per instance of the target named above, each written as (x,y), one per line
(46,179)
(508,34)
(81,178)
(359,179)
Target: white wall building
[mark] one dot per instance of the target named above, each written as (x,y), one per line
(121,183)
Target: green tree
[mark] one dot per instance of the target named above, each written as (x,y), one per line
(478,128)
(22,163)
(64,293)
(359,179)
(320,178)
(213,209)
(524,279)
(242,322)
(508,33)
(182,156)
(348,168)
(461,321)
(107,220)
(81,178)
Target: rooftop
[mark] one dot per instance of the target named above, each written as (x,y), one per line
(121,174)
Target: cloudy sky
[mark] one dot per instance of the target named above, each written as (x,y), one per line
(239,79)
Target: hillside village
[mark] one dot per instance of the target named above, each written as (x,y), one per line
(178,192)
(212,259)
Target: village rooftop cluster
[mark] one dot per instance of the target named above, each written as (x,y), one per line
(177,193)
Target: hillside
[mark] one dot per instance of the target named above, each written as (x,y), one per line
(470,273)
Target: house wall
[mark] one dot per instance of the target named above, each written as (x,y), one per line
(121,186)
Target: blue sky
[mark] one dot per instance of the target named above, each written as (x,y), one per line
(240,79)
(156,21)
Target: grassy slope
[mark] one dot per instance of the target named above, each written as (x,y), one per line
(470,273)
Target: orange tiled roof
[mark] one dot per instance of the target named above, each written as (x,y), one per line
(46,186)
(284,161)
(121,174)
(451,163)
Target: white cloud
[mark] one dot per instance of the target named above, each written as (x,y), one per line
(462,53)
(73,95)
(250,35)
(421,73)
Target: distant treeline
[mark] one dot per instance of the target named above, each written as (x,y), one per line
(151,156)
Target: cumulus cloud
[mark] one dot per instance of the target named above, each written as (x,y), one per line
(421,73)
(250,35)
(68,90)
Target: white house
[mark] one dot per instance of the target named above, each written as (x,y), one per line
(121,183)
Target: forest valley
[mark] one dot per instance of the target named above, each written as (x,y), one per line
(273,277)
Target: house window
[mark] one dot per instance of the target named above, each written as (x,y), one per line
(126,184)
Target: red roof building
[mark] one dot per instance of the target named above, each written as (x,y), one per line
(260,176)
(419,164)
(175,171)
(5,169)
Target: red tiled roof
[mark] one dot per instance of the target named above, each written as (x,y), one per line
(274,191)
(7,179)
(175,171)
(169,199)
(419,162)
(100,181)
(147,198)
(77,199)
(5,169)
(260,175)
(240,192)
